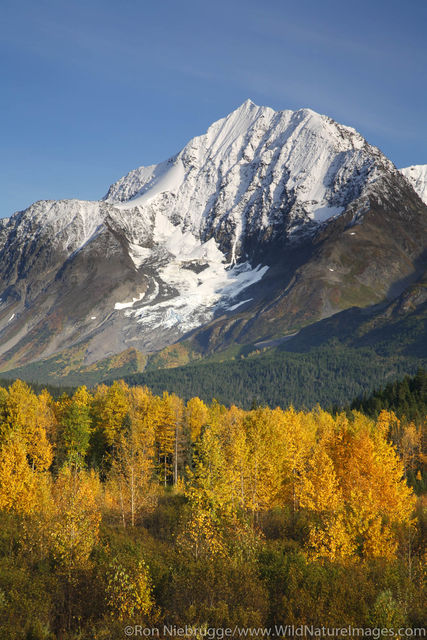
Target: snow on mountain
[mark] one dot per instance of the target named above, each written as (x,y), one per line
(252,172)
(417,176)
(69,224)
(191,234)
(255,170)
(166,176)
(196,271)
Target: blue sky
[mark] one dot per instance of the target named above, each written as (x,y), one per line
(91,89)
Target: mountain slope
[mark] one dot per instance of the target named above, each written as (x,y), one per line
(268,222)
(346,264)
(417,177)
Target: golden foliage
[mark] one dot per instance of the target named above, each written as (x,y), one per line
(129,591)
(72,522)
(18,483)
(340,472)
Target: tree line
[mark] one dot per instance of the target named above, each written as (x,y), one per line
(406,398)
(331,376)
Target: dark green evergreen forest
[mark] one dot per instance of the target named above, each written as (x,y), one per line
(325,376)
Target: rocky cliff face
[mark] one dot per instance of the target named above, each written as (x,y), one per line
(268,222)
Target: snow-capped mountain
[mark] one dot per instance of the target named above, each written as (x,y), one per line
(417,176)
(256,174)
(266,222)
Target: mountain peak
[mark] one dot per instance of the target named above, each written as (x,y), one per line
(247,104)
(307,167)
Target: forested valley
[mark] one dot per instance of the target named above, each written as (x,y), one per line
(118,507)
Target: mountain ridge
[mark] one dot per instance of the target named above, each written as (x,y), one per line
(266,223)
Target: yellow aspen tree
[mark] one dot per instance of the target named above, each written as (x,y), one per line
(252,492)
(181,441)
(297,440)
(142,414)
(25,452)
(165,438)
(210,498)
(99,395)
(21,407)
(39,449)
(129,591)
(60,406)
(25,414)
(323,424)
(232,434)
(319,489)
(213,486)
(410,447)
(218,491)
(395,499)
(46,415)
(196,417)
(379,540)
(200,536)
(266,457)
(82,397)
(320,493)
(330,539)
(18,482)
(387,423)
(131,478)
(72,526)
(111,406)
(372,481)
